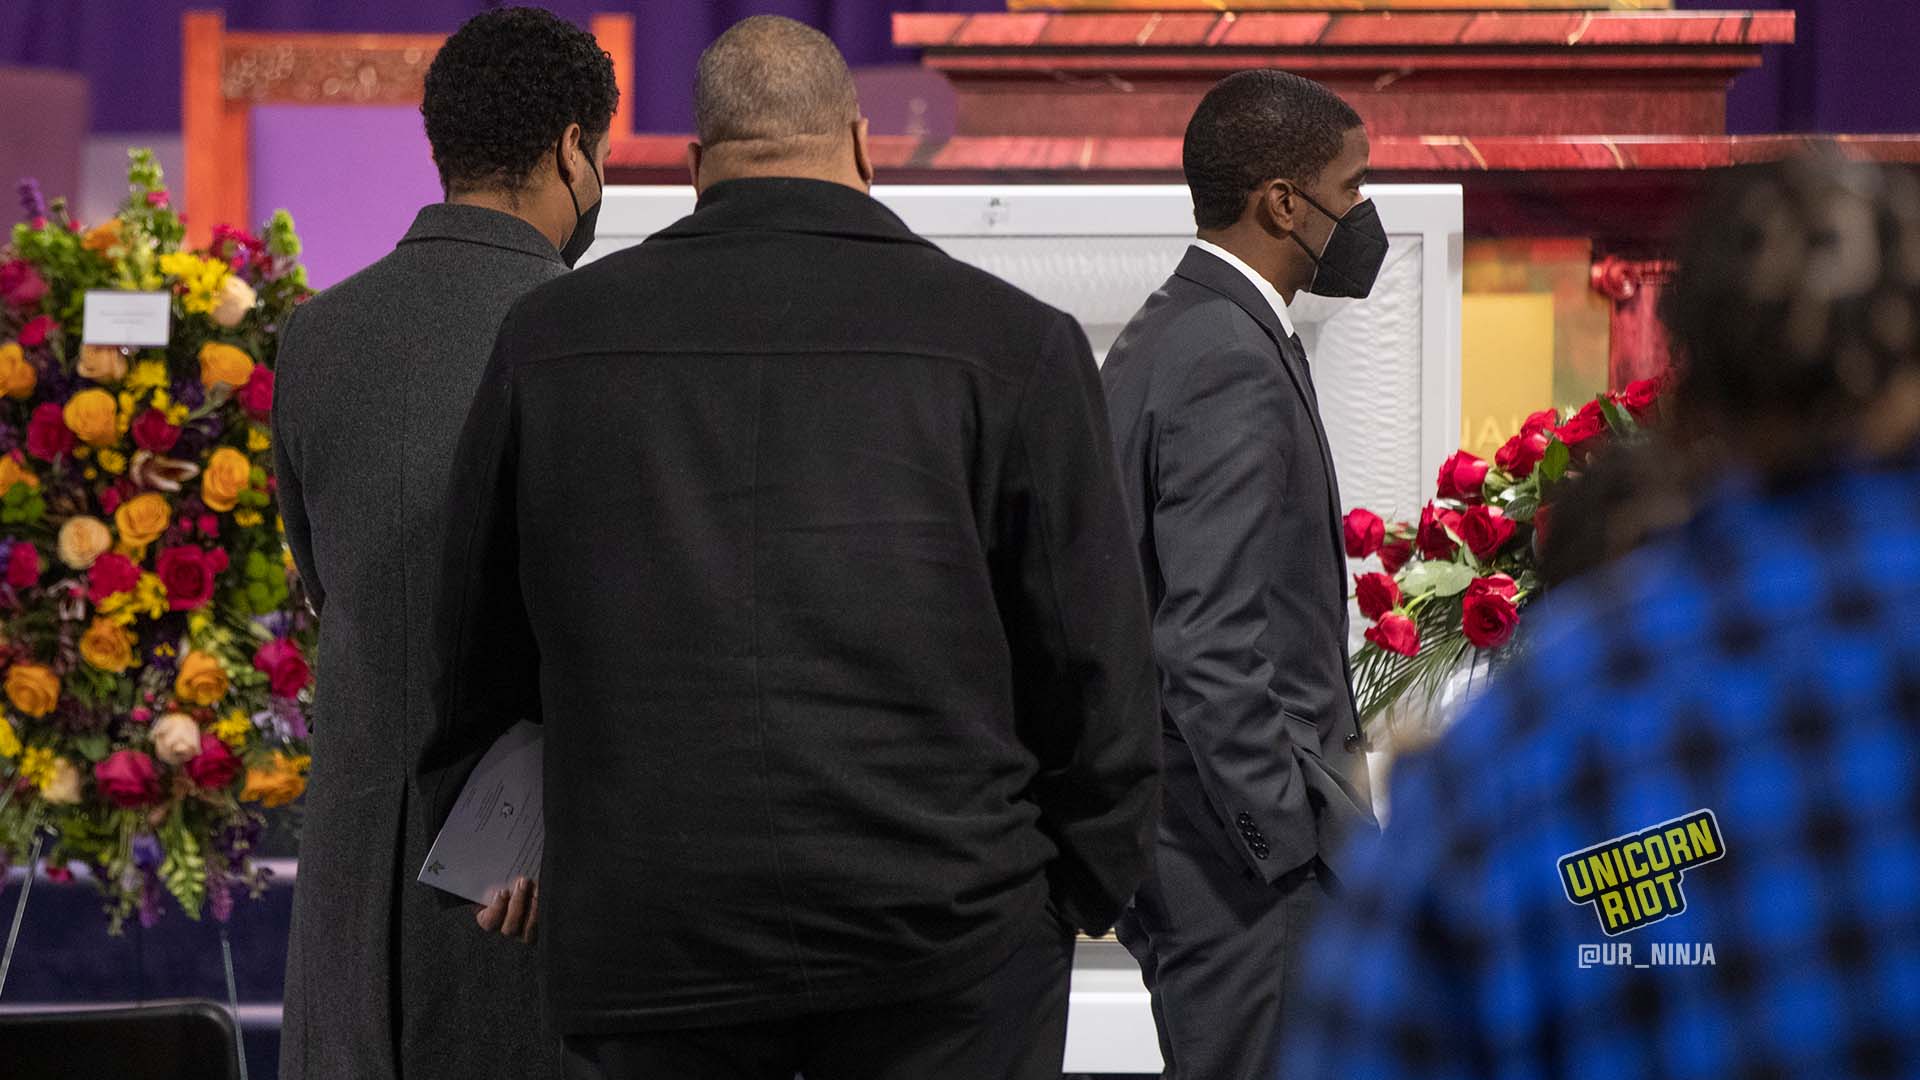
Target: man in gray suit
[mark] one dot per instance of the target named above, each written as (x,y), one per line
(1236,513)
(376,376)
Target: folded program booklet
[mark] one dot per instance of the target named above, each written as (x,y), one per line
(496,831)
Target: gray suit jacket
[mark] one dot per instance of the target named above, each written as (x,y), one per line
(375,378)
(1236,512)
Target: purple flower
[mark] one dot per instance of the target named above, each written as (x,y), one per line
(31,200)
(220,889)
(277,625)
(9,438)
(147,854)
(150,909)
(238,839)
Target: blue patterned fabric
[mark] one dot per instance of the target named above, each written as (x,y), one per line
(1762,663)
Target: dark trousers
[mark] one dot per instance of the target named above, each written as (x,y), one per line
(1012,1024)
(1218,948)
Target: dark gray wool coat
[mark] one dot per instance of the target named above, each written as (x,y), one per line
(375,378)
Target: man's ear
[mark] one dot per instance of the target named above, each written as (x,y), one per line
(573,142)
(693,163)
(862,152)
(1278,207)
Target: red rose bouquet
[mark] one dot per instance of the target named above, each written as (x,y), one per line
(154,645)
(1459,579)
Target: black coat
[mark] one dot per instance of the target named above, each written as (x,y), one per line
(376,376)
(1236,516)
(805,541)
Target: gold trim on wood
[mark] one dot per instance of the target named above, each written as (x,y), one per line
(346,69)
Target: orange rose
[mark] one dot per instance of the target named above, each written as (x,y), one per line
(13,470)
(18,377)
(107,646)
(224,364)
(143,519)
(228,474)
(33,689)
(94,416)
(103,237)
(278,781)
(201,680)
(102,363)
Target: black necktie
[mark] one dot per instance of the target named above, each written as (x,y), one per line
(1306,369)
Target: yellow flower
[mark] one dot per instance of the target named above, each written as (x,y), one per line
(200,280)
(33,689)
(143,519)
(220,363)
(13,470)
(228,474)
(103,237)
(113,461)
(61,786)
(247,519)
(278,780)
(102,363)
(258,441)
(201,680)
(17,376)
(233,729)
(107,646)
(82,540)
(177,414)
(9,741)
(36,766)
(148,598)
(94,416)
(148,375)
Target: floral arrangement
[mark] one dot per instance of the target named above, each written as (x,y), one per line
(1459,580)
(154,645)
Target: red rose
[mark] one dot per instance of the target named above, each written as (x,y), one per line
(1522,453)
(1461,477)
(128,779)
(1433,538)
(111,573)
(38,330)
(1485,531)
(286,670)
(187,572)
(1544,420)
(215,766)
(20,284)
(257,396)
(1488,619)
(23,566)
(1365,533)
(1396,633)
(1377,594)
(1642,399)
(1493,585)
(1395,555)
(48,436)
(151,431)
(1542,517)
(1589,423)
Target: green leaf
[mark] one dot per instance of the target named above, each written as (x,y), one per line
(93,747)
(1523,508)
(1616,418)
(1553,465)
(1437,579)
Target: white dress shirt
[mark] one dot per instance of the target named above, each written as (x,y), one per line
(1266,287)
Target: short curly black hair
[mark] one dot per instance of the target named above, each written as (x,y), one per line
(502,91)
(1257,126)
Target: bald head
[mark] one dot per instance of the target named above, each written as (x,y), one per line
(774,97)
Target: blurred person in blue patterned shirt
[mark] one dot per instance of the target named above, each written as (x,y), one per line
(1681,836)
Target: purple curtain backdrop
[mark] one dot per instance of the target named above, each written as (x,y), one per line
(1852,70)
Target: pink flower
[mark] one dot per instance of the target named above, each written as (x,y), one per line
(111,573)
(23,566)
(257,396)
(21,284)
(128,779)
(48,436)
(156,199)
(215,766)
(286,670)
(188,574)
(38,330)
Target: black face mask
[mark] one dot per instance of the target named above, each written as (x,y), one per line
(1355,250)
(583,223)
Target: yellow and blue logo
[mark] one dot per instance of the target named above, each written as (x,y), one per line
(1634,880)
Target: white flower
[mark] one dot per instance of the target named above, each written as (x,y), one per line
(176,739)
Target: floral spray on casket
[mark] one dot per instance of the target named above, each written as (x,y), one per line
(1451,589)
(155,647)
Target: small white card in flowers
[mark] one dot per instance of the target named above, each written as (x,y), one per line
(126,318)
